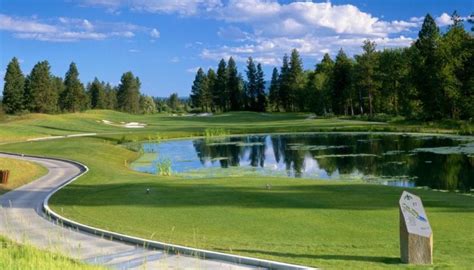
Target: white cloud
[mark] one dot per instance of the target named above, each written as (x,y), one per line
(184,8)
(87,25)
(24,25)
(175,59)
(312,28)
(65,29)
(443,20)
(269,51)
(276,28)
(301,17)
(133,51)
(233,33)
(155,33)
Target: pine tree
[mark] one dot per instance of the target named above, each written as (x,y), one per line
(261,96)
(40,95)
(58,86)
(274,91)
(466,75)
(453,55)
(198,89)
(318,87)
(14,87)
(220,94)
(284,83)
(394,69)
(427,67)
(73,97)
(324,75)
(342,85)
(208,94)
(173,102)
(233,85)
(251,85)
(97,94)
(111,97)
(128,94)
(367,64)
(296,82)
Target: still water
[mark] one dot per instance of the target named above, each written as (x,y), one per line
(391,159)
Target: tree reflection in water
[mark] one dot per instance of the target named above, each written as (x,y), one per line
(388,159)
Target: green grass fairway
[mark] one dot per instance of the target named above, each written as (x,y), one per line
(21,128)
(21,172)
(318,223)
(24,257)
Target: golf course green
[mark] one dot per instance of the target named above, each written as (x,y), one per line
(320,223)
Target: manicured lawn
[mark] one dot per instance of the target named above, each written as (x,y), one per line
(21,172)
(23,257)
(319,223)
(21,128)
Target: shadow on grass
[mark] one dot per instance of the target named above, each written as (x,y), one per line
(250,195)
(358,258)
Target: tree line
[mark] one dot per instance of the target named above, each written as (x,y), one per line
(42,92)
(431,79)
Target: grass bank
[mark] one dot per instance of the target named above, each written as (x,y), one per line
(24,257)
(318,223)
(21,173)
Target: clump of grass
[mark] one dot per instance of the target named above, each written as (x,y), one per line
(215,132)
(155,138)
(466,129)
(15,256)
(164,167)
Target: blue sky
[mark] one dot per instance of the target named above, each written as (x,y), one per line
(165,41)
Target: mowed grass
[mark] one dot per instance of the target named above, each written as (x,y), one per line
(21,128)
(21,173)
(23,257)
(318,223)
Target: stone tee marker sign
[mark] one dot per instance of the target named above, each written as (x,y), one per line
(416,237)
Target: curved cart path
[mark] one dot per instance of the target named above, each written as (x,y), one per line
(22,219)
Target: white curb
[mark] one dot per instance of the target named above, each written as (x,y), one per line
(172,248)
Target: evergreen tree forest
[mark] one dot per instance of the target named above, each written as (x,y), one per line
(430,80)
(42,92)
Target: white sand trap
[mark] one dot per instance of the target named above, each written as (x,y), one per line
(125,125)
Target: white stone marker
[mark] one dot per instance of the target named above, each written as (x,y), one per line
(416,237)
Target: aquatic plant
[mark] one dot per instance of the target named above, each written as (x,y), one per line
(215,132)
(164,167)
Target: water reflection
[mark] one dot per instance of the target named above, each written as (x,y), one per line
(386,159)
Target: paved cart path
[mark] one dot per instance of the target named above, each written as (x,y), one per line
(22,219)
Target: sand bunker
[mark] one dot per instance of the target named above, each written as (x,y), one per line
(123,124)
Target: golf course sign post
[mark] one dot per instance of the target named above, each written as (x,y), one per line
(416,237)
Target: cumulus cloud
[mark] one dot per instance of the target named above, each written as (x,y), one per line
(274,28)
(65,29)
(269,51)
(312,28)
(443,20)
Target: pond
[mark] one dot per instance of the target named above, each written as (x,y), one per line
(439,162)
